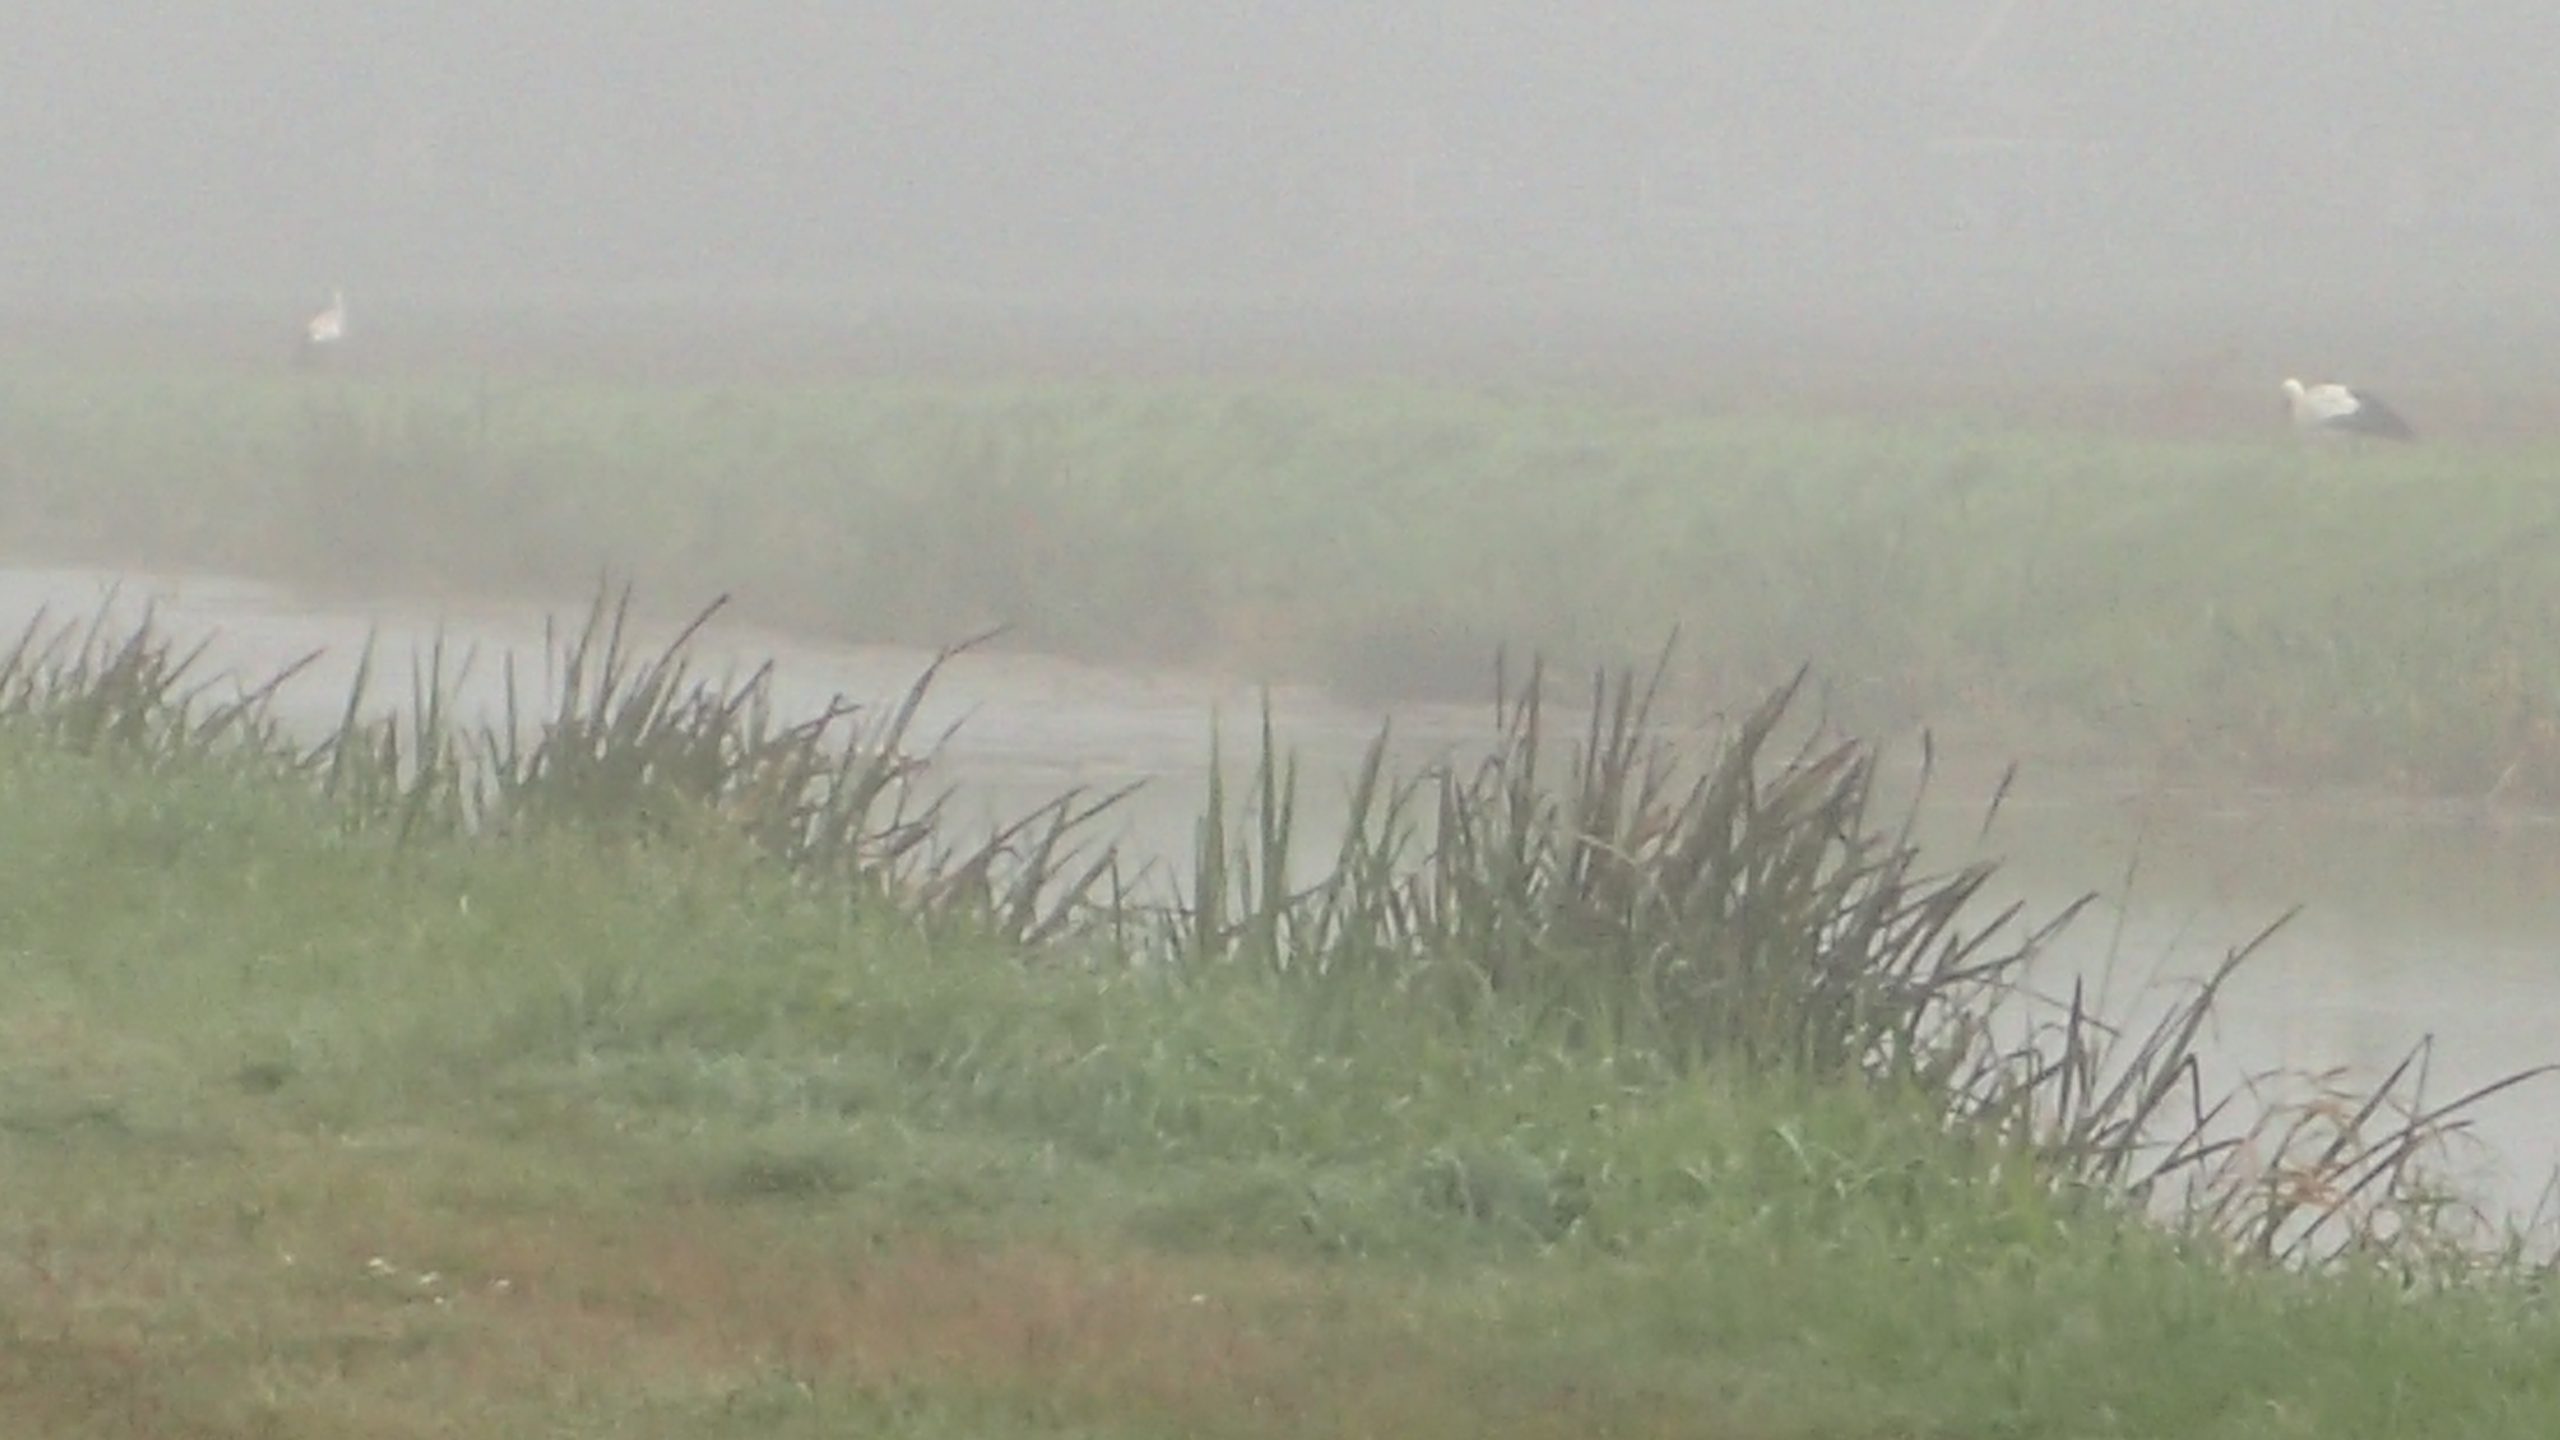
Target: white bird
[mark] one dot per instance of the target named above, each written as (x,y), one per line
(326,328)
(2340,410)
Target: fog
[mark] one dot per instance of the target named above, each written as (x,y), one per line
(2354,173)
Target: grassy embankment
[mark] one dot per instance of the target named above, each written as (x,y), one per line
(668,1085)
(2388,619)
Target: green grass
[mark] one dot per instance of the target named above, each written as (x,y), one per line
(2390,619)
(590,1119)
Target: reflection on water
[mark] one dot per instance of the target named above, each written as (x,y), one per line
(2416,922)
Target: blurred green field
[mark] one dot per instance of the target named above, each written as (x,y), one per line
(2234,606)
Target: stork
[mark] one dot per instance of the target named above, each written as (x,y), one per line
(2340,410)
(328,327)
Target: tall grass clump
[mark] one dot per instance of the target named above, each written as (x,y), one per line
(1732,910)
(1673,909)
(1746,909)
(138,696)
(600,738)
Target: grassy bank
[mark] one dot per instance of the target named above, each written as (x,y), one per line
(647,1090)
(311,1139)
(2389,619)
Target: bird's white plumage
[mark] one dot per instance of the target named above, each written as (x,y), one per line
(330,325)
(2319,404)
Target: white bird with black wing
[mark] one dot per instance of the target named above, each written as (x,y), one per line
(2333,409)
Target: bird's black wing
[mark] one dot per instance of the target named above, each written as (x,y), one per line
(2373,417)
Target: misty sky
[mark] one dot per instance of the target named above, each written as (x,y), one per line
(1814,151)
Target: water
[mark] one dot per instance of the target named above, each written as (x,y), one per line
(2416,922)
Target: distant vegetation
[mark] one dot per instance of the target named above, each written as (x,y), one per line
(658,1066)
(2384,619)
